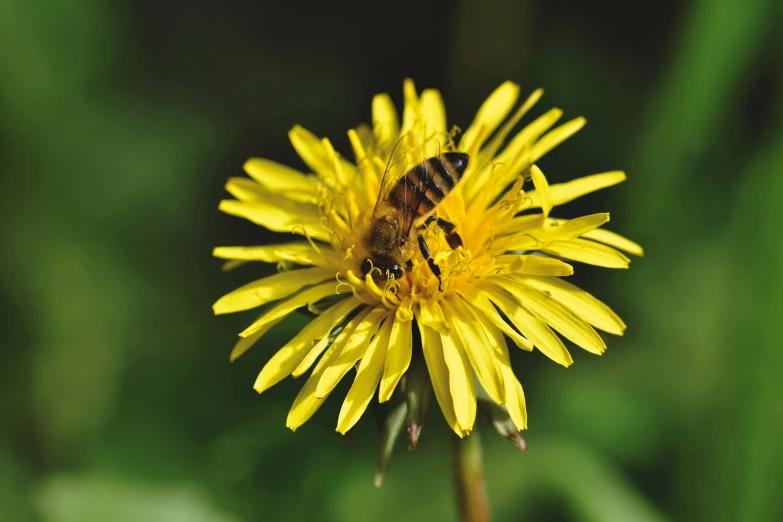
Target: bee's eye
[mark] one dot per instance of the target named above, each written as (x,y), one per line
(366,266)
(396,271)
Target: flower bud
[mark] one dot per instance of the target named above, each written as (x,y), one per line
(418,391)
(392,420)
(500,419)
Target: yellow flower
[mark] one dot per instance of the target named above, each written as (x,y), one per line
(505,282)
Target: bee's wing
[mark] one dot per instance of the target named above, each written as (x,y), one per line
(395,192)
(404,156)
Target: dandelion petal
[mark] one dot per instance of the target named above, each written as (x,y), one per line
(439,373)
(366,381)
(300,252)
(490,114)
(581,302)
(515,397)
(462,385)
(385,124)
(283,180)
(279,216)
(269,289)
(283,308)
(590,252)
(565,192)
(479,352)
(353,350)
(398,358)
(290,355)
(558,316)
(533,328)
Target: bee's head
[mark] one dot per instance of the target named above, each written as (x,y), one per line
(382,234)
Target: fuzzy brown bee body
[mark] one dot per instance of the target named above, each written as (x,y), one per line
(404,201)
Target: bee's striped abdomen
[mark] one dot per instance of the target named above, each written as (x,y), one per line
(426,184)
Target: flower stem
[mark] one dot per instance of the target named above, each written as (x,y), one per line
(471,491)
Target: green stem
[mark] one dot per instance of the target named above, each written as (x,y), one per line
(471,491)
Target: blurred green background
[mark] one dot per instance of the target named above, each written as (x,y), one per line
(119,124)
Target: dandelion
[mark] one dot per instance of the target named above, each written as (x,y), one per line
(504,282)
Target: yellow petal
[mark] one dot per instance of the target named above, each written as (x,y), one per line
(306,403)
(310,149)
(345,172)
(358,146)
(283,180)
(398,358)
(515,397)
(540,238)
(542,187)
(353,350)
(576,227)
(434,114)
(432,316)
(439,373)
(555,137)
(231,264)
(614,240)
(497,140)
(533,328)
(563,193)
(366,165)
(523,140)
(368,375)
(491,113)
(411,111)
(477,348)
(334,348)
(580,302)
(462,385)
(404,311)
(483,305)
(279,215)
(245,189)
(608,238)
(555,314)
(365,136)
(269,289)
(385,125)
(535,265)
(245,343)
(283,308)
(300,252)
(289,356)
(589,252)
(312,152)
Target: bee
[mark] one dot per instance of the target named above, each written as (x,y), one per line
(391,238)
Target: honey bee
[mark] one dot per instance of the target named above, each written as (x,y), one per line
(391,238)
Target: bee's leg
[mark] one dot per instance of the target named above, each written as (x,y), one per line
(425,251)
(429,221)
(450,229)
